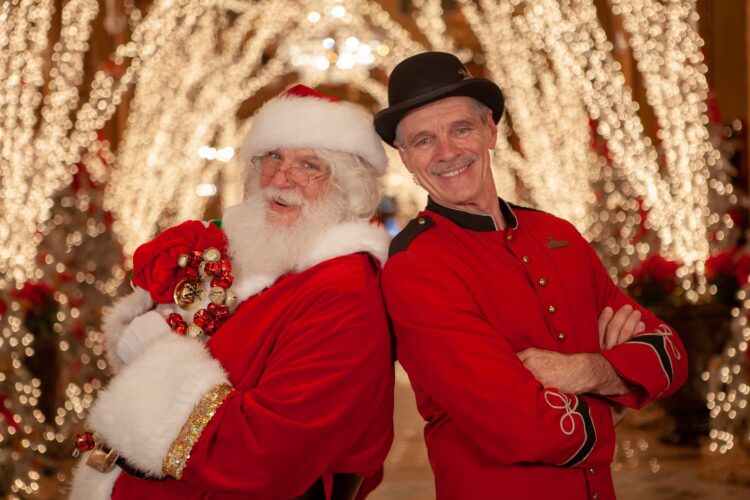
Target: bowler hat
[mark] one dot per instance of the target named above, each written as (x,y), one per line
(429,77)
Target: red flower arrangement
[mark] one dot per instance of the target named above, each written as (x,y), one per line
(39,307)
(155,264)
(658,270)
(174,268)
(655,281)
(727,271)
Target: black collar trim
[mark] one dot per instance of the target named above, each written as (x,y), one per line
(474,222)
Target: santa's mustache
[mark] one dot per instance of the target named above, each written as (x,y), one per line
(286,197)
(458,163)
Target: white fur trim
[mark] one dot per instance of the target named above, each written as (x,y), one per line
(338,240)
(246,287)
(118,317)
(311,122)
(88,484)
(345,239)
(146,404)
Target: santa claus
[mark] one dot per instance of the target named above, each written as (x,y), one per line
(292,394)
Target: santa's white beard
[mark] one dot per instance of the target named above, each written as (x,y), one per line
(260,247)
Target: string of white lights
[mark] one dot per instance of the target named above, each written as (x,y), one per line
(428,15)
(728,389)
(663,36)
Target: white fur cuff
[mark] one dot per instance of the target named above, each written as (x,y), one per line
(118,317)
(142,411)
(89,484)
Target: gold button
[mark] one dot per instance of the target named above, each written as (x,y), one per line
(542,281)
(591,470)
(525,259)
(510,236)
(561,337)
(552,309)
(421,220)
(595,496)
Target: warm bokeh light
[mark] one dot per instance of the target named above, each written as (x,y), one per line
(572,143)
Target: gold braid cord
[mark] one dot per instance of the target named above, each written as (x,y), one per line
(179,452)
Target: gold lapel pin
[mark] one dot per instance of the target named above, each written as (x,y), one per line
(552,244)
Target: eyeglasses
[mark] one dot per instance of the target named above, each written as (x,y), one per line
(302,172)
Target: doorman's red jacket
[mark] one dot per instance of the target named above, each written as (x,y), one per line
(464,298)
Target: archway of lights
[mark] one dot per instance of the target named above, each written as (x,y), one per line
(195,62)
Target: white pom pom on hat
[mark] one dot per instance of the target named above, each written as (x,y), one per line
(303,118)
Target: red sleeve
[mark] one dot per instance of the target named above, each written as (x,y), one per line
(470,370)
(655,360)
(327,377)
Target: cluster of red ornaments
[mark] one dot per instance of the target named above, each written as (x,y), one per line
(199,266)
(84,442)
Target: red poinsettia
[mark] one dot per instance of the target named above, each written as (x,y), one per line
(38,305)
(720,263)
(657,269)
(654,280)
(742,268)
(733,262)
(33,295)
(6,413)
(155,264)
(727,271)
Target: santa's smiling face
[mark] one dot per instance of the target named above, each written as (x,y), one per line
(291,179)
(290,200)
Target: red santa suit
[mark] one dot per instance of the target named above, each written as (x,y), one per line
(296,386)
(464,298)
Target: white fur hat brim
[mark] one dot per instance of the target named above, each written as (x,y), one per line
(291,121)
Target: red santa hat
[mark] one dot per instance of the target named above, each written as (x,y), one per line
(304,118)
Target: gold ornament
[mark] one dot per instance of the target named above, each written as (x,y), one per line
(217,295)
(101,459)
(186,293)
(231,299)
(211,255)
(194,331)
(183,260)
(202,270)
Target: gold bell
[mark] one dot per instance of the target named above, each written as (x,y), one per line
(211,254)
(202,270)
(102,460)
(186,293)
(194,331)
(217,295)
(231,299)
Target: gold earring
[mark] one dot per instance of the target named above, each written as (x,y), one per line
(416,181)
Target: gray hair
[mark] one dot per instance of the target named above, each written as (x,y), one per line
(479,108)
(354,183)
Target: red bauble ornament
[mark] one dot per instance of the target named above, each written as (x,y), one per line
(222,312)
(174,320)
(223,281)
(226,266)
(212,268)
(85,441)
(201,317)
